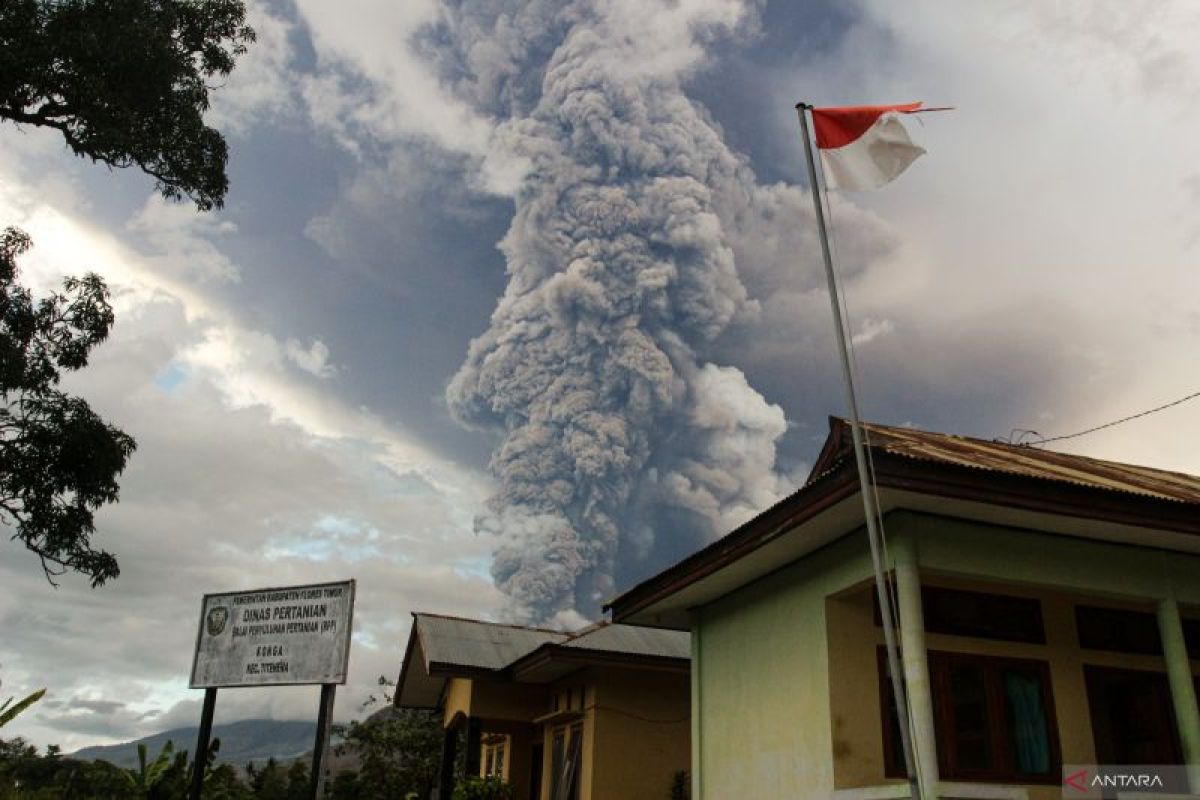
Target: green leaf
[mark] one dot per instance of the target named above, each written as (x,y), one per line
(8,714)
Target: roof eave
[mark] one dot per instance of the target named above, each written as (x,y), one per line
(804,504)
(408,652)
(579,658)
(895,471)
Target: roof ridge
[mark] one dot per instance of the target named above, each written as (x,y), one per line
(588,630)
(1011,446)
(510,625)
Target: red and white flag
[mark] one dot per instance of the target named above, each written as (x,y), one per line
(864,147)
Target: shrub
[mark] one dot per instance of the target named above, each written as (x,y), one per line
(490,788)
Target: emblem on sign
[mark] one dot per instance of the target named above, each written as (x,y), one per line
(217,617)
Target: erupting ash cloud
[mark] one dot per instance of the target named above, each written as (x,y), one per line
(619,434)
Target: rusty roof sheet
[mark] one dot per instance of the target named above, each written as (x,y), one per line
(475,643)
(633,640)
(1031,462)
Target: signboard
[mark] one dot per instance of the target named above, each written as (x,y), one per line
(274,637)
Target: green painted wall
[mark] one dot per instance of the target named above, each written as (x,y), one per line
(763,729)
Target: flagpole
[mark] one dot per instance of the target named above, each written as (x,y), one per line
(864,481)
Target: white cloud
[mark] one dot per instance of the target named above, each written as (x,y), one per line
(263,88)
(182,240)
(313,359)
(372,82)
(872,329)
(247,473)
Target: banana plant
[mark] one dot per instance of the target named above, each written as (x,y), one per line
(9,710)
(149,775)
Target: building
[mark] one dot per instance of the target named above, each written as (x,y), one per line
(600,714)
(1048,605)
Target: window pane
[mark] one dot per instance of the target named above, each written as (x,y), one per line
(968,700)
(1132,719)
(1191,636)
(1028,729)
(982,615)
(558,757)
(1118,630)
(893,749)
(574,762)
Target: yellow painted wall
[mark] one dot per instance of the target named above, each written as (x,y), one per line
(508,701)
(517,763)
(458,700)
(857,746)
(635,728)
(641,734)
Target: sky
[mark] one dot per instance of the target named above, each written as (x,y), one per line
(512,305)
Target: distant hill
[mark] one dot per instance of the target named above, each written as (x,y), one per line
(247,740)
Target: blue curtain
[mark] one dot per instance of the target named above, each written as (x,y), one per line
(1030,732)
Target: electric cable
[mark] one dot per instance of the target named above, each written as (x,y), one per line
(1044,440)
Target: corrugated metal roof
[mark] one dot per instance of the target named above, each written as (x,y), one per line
(1033,462)
(634,640)
(474,643)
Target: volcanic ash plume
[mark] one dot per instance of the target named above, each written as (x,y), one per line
(618,434)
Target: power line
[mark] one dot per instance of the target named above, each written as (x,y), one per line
(1043,440)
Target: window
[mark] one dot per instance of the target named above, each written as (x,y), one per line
(1117,630)
(1123,631)
(493,755)
(983,615)
(1191,636)
(993,718)
(558,761)
(566,752)
(1132,719)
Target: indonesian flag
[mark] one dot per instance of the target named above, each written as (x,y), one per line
(864,147)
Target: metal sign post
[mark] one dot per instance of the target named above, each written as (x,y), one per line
(200,762)
(287,636)
(321,746)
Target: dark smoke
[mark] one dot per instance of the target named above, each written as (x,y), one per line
(632,221)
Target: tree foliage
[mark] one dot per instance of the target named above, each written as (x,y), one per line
(398,752)
(59,461)
(27,775)
(126,82)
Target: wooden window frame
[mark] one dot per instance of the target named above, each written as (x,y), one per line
(1095,672)
(934,624)
(1191,631)
(940,664)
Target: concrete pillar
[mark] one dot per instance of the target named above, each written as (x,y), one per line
(518,766)
(1183,691)
(916,663)
(474,746)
